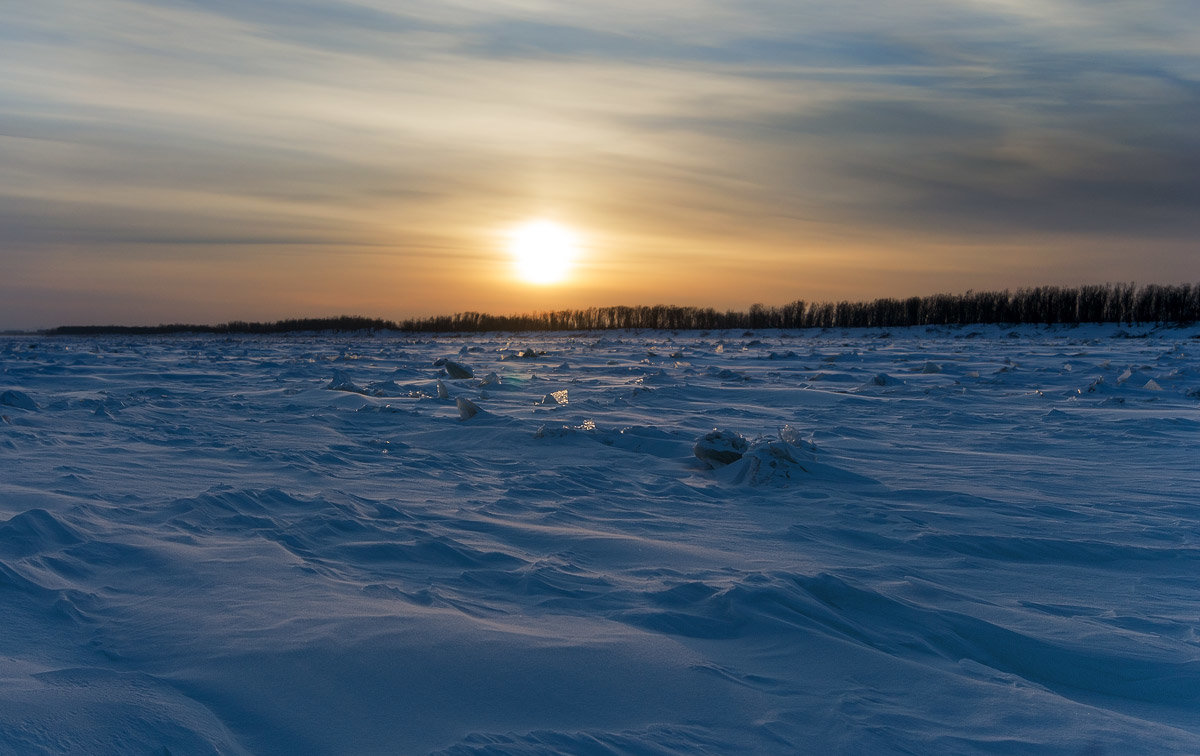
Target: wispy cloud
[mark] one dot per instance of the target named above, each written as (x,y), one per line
(673,130)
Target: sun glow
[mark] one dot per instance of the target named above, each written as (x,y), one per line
(543,251)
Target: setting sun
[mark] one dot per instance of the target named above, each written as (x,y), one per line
(543,251)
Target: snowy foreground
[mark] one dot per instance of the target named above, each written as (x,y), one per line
(948,541)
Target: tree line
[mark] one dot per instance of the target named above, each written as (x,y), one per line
(341,323)
(1048,305)
(1105,303)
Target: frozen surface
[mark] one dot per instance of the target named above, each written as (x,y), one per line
(934,541)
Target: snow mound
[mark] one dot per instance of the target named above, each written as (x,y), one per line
(341,382)
(769,461)
(35,531)
(565,431)
(17,399)
(385,388)
(112,712)
(647,439)
(766,460)
(725,374)
(657,378)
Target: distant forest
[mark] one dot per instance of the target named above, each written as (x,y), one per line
(1107,303)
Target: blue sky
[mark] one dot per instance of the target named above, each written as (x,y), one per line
(207,161)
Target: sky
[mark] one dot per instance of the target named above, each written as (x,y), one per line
(203,161)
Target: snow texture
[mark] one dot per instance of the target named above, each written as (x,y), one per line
(944,541)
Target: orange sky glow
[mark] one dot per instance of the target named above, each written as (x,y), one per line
(172,162)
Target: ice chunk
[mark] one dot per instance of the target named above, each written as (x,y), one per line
(456,370)
(719,448)
(788,434)
(554,398)
(467,409)
(525,354)
(17,399)
(1152,385)
(442,393)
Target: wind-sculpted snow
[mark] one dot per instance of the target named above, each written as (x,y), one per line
(948,541)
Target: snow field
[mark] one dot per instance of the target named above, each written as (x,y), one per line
(948,541)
